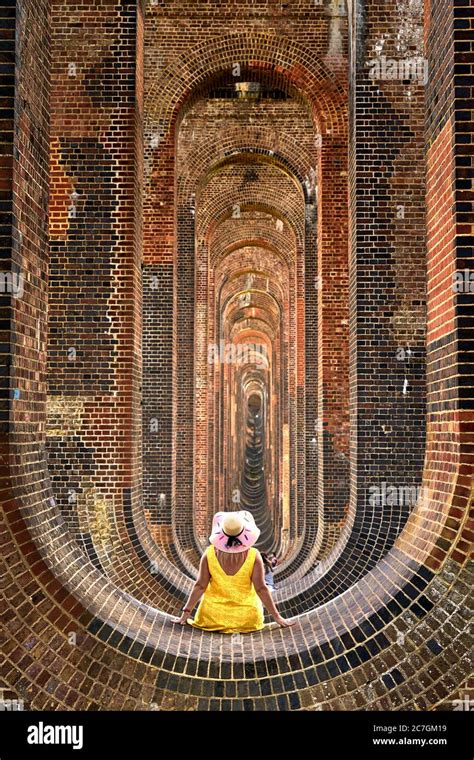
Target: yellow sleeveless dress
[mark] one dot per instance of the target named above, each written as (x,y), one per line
(230,603)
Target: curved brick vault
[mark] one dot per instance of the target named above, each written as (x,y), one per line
(181,176)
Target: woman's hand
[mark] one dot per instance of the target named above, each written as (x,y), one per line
(181,620)
(284,623)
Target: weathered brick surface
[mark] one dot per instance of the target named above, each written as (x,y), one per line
(93,561)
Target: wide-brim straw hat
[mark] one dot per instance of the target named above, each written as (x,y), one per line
(233,532)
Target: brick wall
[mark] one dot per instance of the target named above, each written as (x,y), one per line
(94,350)
(86,611)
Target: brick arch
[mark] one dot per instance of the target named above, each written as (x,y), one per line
(264,300)
(277,243)
(332,253)
(321,77)
(267,306)
(289,155)
(282,59)
(267,233)
(183,537)
(213,204)
(212,207)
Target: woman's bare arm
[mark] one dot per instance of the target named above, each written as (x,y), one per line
(258,580)
(201,584)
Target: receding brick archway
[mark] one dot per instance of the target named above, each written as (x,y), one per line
(382,618)
(318,89)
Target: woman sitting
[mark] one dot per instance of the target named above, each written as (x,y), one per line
(231,580)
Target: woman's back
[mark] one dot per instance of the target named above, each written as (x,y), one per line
(231,563)
(230,603)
